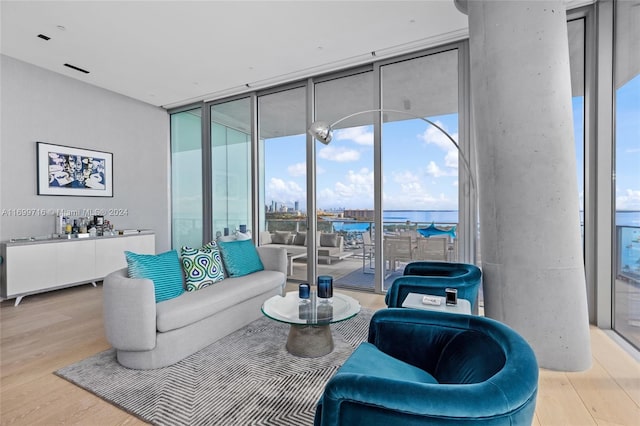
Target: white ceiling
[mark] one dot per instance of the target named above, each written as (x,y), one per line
(171,53)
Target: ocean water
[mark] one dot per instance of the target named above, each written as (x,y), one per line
(628,221)
(443,217)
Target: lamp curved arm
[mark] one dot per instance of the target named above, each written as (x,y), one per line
(322,131)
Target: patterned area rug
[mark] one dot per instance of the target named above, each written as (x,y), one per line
(246,378)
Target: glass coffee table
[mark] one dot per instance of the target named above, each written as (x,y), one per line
(310,320)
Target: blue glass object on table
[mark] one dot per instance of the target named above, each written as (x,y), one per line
(325,287)
(243,228)
(303,291)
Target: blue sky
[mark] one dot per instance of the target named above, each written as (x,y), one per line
(420,164)
(628,145)
(424,180)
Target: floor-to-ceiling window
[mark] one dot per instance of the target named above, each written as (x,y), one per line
(231,166)
(420,162)
(576,33)
(186,178)
(283,170)
(626,236)
(345,169)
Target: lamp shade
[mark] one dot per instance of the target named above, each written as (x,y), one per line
(321,130)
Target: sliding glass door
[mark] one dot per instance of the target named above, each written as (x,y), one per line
(626,234)
(421,164)
(186,178)
(231,167)
(345,189)
(283,175)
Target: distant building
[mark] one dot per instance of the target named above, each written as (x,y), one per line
(363,214)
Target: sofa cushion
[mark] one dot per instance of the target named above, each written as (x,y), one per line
(300,239)
(193,306)
(265,238)
(240,258)
(386,367)
(281,237)
(240,236)
(329,240)
(163,269)
(202,267)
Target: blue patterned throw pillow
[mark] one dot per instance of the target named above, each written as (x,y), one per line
(163,269)
(202,267)
(240,258)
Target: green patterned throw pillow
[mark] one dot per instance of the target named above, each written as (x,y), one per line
(163,269)
(240,258)
(202,267)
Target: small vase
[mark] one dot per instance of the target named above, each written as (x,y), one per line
(325,287)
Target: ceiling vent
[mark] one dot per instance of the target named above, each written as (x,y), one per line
(44,37)
(73,67)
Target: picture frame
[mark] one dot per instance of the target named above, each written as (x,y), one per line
(65,170)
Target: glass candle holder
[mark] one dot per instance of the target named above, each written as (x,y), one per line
(325,287)
(303,291)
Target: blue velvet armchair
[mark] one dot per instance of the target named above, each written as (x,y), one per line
(432,278)
(433,368)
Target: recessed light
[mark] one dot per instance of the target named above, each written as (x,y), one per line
(61,27)
(44,37)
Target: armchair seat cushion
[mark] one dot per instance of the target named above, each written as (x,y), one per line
(371,361)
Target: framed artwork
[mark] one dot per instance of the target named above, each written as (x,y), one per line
(64,170)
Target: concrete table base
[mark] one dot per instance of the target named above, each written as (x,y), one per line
(309,341)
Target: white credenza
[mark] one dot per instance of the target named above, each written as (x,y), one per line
(31,267)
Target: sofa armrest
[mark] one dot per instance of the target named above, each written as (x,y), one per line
(129,308)
(273,258)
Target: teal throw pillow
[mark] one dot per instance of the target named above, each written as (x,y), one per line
(240,258)
(163,269)
(202,267)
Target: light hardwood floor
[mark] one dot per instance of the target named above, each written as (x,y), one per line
(52,330)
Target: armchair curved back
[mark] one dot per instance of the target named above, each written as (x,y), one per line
(426,367)
(433,278)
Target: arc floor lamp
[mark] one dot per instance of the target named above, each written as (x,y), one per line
(323,132)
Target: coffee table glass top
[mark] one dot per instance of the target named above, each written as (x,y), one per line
(293,310)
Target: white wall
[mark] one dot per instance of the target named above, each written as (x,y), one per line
(40,105)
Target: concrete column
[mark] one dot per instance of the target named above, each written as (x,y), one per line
(531,254)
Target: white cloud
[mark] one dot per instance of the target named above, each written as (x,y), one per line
(284,191)
(354,191)
(298,169)
(339,154)
(629,200)
(405,177)
(415,196)
(451,159)
(361,135)
(434,170)
(435,137)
